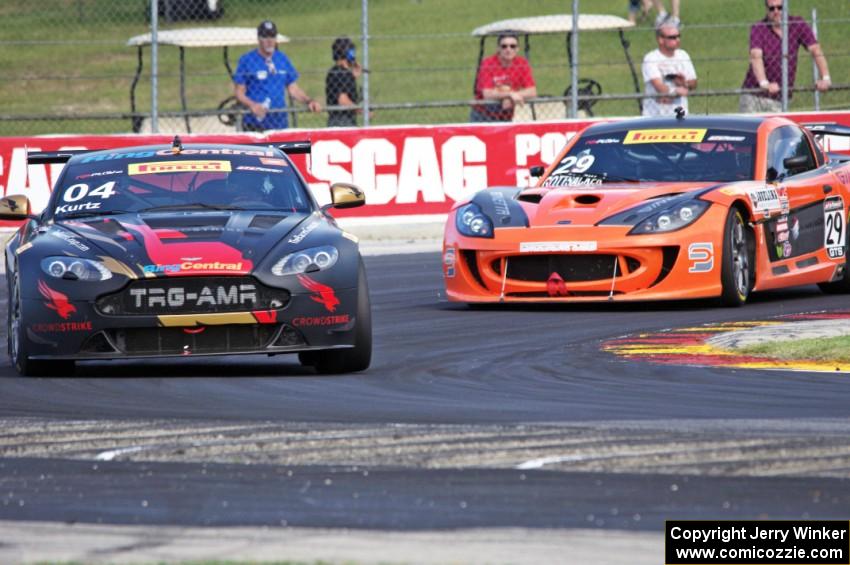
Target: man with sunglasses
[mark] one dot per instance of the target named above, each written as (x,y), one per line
(668,73)
(504,81)
(765,72)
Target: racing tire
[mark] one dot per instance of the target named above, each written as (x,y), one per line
(842,285)
(18,344)
(359,357)
(736,273)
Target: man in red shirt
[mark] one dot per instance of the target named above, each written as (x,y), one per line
(504,81)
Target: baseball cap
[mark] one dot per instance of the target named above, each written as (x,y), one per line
(267,29)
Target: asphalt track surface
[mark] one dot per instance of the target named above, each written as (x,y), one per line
(503,417)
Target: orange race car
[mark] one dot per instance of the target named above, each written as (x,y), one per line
(666,208)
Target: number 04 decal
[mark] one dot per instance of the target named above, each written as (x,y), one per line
(79,191)
(834,227)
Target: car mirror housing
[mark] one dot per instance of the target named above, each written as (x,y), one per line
(344,195)
(15,207)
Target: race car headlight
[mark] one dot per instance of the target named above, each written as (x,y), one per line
(660,216)
(74,268)
(307,260)
(673,218)
(472,222)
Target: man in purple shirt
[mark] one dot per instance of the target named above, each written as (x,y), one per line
(765,72)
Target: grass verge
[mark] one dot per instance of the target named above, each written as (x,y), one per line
(820,349)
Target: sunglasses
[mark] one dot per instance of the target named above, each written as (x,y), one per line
(509,45)
(774,8)
(672,36)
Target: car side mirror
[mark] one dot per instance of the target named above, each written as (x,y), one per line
(15,207)
(344,195)
(537,171)
(796,164)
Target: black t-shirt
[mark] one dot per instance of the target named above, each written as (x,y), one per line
(340,81)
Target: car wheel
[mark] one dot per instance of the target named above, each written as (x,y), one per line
(842,285)
(359,357)
(19,345)
(736,275)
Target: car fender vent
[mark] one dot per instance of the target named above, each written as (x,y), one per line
(587,199)
(265,221)
(533,198)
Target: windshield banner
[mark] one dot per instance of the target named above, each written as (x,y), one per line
(402,170)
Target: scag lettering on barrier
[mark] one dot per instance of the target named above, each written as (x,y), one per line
(425,174)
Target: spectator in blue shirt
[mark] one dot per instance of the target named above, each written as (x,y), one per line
(261,79)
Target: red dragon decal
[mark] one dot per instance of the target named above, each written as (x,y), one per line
(56,301)
(324,295)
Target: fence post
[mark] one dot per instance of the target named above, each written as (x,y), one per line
(814,63)
(574,64)
(364,31)
(154,65)
(786,9)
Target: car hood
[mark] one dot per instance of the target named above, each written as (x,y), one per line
(184,244)
(590,205)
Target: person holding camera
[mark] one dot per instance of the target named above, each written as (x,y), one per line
(668,73)
(341,83)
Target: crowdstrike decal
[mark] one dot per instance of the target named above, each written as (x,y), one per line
(323,294)
(56,301)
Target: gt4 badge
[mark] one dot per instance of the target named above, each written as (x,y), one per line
(701,256)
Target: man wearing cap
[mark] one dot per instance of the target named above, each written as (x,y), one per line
(260,80)
(341,83)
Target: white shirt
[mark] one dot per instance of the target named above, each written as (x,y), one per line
(658,65)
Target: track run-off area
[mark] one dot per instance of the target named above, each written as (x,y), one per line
(505,434)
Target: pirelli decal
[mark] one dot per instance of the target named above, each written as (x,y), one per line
(177,167)
(679,135)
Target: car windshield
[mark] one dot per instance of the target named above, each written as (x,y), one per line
(656,155)
(213,179)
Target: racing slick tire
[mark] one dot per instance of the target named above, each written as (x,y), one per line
(736,274)
(18,343)
(358,358)
(842,285)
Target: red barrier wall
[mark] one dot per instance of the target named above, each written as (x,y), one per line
(403,170)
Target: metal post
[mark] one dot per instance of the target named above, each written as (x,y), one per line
(154,65)
(364,32)
(574,64)
(815,74)
(785,92)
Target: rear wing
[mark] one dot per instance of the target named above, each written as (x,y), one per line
(820,130)
(48,157)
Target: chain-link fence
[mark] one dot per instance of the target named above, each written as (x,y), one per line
(85,66)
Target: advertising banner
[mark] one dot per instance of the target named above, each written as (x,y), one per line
(403,170)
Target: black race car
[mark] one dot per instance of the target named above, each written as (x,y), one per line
(171,251)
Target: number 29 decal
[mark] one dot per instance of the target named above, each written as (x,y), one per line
(834,227)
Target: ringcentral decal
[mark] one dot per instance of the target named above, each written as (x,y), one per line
(189,266)
(175,297)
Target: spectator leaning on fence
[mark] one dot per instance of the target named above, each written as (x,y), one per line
(765,72)
(504,81)
(667,71)
(341,83)
(261,79)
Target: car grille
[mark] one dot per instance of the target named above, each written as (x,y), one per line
(570,267)
(192,295)
(204,339)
